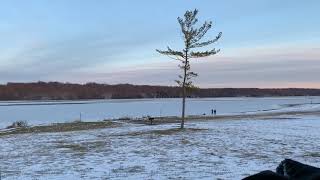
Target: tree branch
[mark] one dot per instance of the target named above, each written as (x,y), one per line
(179,56)
(203,54)
(202,44)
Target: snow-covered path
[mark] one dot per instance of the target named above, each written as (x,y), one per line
(227,149)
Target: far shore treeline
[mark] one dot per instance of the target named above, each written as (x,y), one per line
(68,91)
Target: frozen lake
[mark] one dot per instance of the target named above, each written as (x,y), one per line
(40,112)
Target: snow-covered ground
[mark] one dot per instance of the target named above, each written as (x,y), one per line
(224,149)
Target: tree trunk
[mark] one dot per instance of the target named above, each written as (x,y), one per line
(184,91)
(183,105)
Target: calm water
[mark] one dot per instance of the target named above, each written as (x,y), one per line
(35,112)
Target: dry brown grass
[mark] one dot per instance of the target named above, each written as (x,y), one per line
(265,115)
(61,127)
(78,126)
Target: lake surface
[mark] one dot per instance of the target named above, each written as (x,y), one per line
(46,112)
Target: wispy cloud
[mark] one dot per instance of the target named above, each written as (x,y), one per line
(295,68)
(48,59)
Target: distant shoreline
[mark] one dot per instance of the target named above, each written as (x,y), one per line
(95,101)
(46,91)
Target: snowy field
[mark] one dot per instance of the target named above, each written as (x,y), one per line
(46,112)
(224,149)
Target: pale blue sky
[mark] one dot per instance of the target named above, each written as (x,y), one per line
(114,41)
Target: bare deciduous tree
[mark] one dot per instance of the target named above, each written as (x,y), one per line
(193,39)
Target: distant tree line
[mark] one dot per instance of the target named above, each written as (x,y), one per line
(68,91)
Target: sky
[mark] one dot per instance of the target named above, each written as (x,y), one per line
(265,43)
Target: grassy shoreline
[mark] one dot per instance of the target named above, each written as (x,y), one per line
(267,115)
(82,126)
(60,127)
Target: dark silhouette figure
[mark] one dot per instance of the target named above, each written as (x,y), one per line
(289,170)
(150,119)
(213,111)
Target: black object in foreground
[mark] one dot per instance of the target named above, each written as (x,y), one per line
(289,170)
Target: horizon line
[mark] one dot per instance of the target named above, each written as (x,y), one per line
(158,85)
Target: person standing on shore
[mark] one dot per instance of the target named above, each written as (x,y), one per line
(213,111)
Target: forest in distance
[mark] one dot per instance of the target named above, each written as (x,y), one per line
(70,91)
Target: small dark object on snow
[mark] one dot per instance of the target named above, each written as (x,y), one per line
(289,169)
(151,119)
(18,124)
